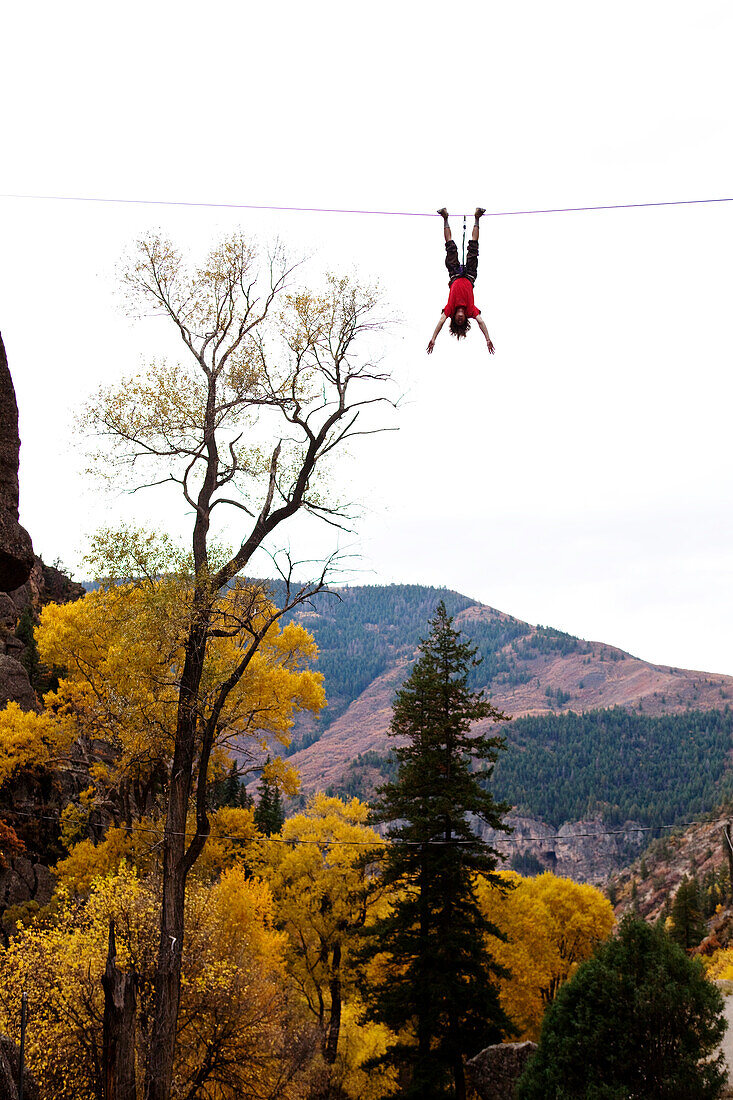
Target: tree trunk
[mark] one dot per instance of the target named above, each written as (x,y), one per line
(459,1077)
(423,1022)
(176,866)
(167,985)
(334,1022)
(118,1028)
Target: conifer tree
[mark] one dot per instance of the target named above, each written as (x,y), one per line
(269,813)
(435,972)
(688,926)
(230,791)
(638,1021)
(29,658)
(42,678)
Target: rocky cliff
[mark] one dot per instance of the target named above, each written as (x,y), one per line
(649,882)
(16,550)
(29,800)
(585,851)
(16,564)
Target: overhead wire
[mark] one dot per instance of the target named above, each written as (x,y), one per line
(345,210)
(368,844)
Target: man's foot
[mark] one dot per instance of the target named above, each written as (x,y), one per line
(443,213)
(480,210)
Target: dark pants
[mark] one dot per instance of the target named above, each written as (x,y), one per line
(457,270)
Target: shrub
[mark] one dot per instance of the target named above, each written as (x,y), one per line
(639,1021)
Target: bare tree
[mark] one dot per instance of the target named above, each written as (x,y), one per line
(272,385)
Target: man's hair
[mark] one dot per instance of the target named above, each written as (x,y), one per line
(459,330)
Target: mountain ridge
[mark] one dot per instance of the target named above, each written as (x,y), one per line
(527,671)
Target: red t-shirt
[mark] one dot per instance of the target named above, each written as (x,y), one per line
(461,294)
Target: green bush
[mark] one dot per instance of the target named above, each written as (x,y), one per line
(638,1021)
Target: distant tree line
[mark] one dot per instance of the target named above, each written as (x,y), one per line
(615,764)
(546,640)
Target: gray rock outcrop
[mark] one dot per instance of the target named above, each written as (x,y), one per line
(16,550)
(15,687)
(9,1072)
(46,584)
(585,851)
(21,879)
(495,1071)
(25,881)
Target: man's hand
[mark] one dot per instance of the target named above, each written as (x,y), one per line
(436,334)
(482,325)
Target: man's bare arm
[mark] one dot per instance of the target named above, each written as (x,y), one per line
(434,337)
(482,325)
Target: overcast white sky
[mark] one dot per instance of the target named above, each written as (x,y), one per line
(582,477)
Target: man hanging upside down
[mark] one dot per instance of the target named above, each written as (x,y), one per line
(460,306)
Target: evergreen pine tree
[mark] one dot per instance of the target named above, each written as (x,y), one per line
(438,974)
(42,679)
(638,1021)
(230,791)
(269,813)
(664,914)
(688,926)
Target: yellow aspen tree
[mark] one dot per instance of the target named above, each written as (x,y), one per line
(28,738)
(232,843)
(120,650)
(719,965)
(551,925)
(323,877)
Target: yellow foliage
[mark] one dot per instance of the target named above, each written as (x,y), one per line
(358,1043)
(324,894)
(27,738)
(551,924)
(719,965)
(283,775)
(221,852)
(232,1007)
(87,861)
(121,648)
(232,842)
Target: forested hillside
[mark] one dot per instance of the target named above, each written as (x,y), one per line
(618,765)
(362,631)
(612,765)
